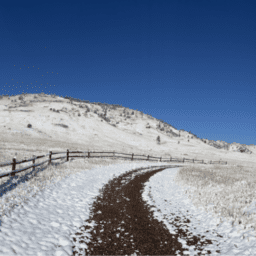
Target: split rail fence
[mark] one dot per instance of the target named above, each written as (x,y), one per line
(132,157)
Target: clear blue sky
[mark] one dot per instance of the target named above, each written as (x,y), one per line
(189,63)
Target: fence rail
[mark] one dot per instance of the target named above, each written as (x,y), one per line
(132,157)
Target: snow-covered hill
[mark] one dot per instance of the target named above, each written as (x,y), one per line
(59,123)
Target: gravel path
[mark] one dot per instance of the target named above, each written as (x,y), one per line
(121,223)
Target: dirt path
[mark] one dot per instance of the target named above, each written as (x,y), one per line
(121,223)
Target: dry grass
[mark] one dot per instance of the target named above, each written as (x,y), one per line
(229,189)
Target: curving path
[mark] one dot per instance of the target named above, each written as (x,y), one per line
(121,223)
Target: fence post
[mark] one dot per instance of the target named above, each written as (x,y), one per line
(170,159)
(88,154)
(13,166)
(148,158)
(210,161)
(193,161)
(50,157)
(202,161)
(34,160)
(13,163)
(219,162)
(67,155)
(183,160)
(132,156)
(160,159)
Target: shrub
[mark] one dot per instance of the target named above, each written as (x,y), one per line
(79,114)
(29,126)
(20,97)
(158,139)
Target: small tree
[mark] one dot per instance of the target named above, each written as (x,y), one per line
(105,112)
(158,139)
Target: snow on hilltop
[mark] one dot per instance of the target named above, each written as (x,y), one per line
(58,123)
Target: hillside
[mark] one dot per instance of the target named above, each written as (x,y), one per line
(59,123)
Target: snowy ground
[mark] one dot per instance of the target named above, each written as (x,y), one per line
(44,224)
(89,132)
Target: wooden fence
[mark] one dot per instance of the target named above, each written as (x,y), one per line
(132,157)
